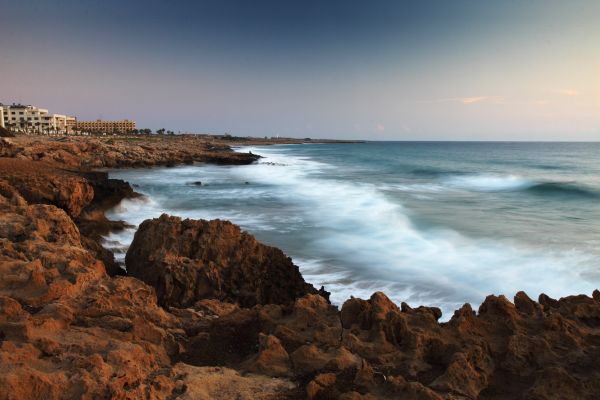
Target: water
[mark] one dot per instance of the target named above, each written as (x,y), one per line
(427,223)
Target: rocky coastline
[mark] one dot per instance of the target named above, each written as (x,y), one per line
(205,311)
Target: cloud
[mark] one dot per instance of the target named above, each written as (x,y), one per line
(569,92)
(380,127)
(467,100)
(471,100)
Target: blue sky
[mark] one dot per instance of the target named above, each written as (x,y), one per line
(428,70)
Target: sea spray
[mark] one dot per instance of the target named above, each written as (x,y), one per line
(357,227)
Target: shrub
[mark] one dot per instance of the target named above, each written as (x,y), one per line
(6,133)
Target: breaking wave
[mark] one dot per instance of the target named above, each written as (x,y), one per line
(511,183)
(354,239)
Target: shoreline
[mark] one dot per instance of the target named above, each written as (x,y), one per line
(257,328)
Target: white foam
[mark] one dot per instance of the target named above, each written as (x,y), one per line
(489,183)
(376,244)
(363,241)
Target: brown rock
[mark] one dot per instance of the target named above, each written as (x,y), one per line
(89,153)
(217,383)
(66,329)
(40,182)
(272,359)
(319,384)
(310,320)
(189,260)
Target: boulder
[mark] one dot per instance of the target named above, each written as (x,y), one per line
(190,260)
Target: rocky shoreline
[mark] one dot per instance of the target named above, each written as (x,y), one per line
(207,312)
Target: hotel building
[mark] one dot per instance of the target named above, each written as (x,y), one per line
(122,126)
(27,118)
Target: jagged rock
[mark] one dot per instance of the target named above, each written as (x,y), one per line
(216,383)
(89,153)
(272,359)
(321,383)
(189,260)
(68,330)
(39,182)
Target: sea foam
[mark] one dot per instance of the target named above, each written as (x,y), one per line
(353,238)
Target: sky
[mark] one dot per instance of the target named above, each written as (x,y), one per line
(378,70)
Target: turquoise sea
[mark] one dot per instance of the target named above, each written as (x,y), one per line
(434,223)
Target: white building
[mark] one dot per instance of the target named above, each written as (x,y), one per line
(32,119)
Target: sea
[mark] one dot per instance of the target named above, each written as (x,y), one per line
(428,223)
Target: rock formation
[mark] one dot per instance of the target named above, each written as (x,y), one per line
(373,349)
(235,318)
(67,330)
(43,183)
(91,153)
(188,260)
(369,348)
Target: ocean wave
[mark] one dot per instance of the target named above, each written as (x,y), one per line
(489,183)
(563,189)
(512,183)
(367,242)
(359,240)
(432,172)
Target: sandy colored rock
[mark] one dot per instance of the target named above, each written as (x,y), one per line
(87,153)
(40,182)
(321,383)
(67,329)
(272,359)
(216,383)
